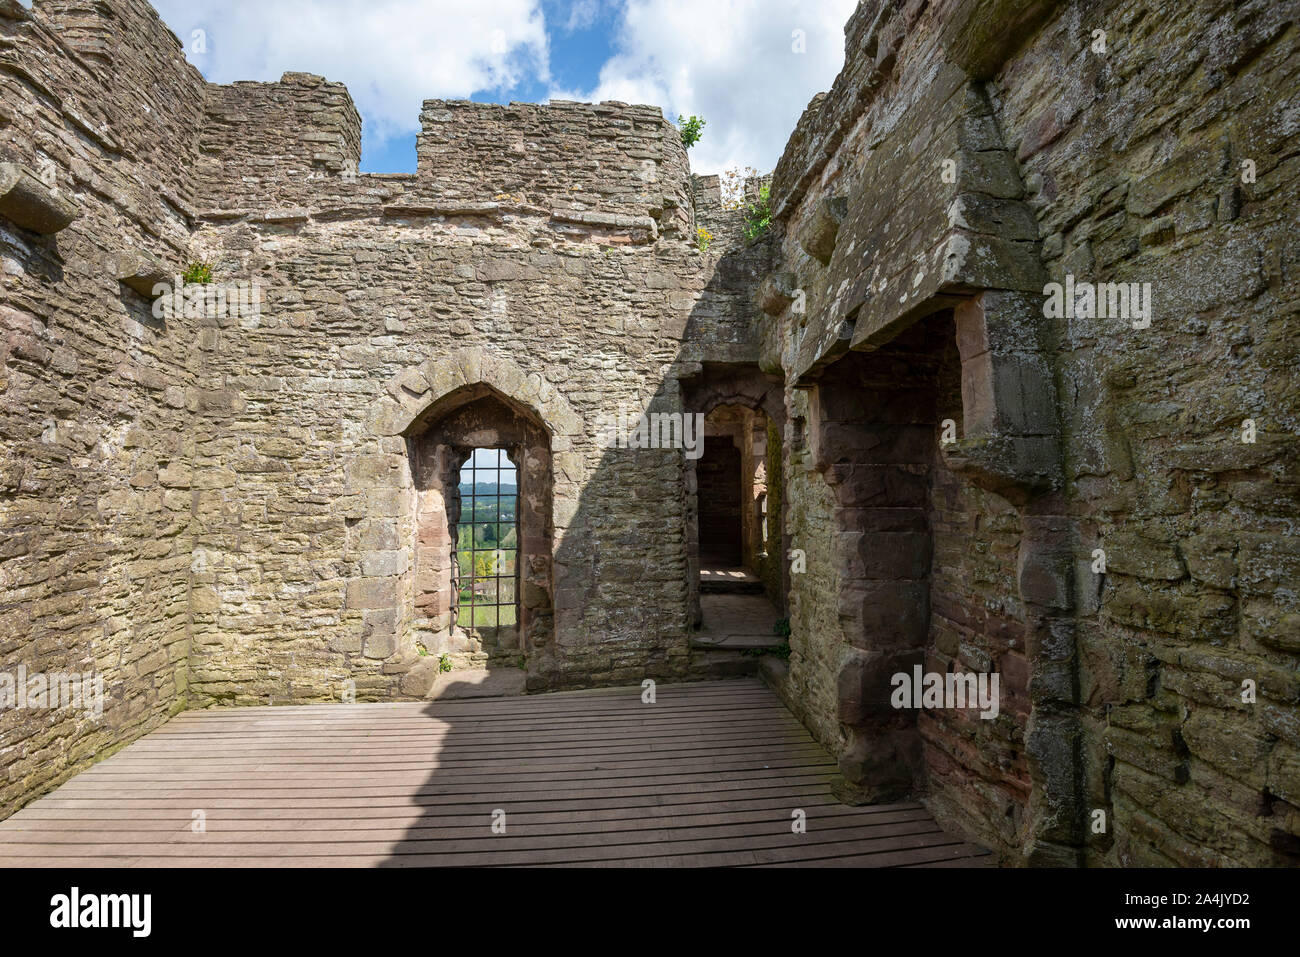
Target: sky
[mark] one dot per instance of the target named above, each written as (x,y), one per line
(748,67)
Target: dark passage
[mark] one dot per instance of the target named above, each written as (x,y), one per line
(718,475)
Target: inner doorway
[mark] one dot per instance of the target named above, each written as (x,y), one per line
(718,477)
(740,583)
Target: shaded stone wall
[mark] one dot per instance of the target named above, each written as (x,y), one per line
(976,769)
(817,644)
(1197,526)
(95,508)
(960,163)
(773,561)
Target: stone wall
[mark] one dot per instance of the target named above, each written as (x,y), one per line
(976,768)
(955,165)
(1197,526)
(95,520)
(609,165)
(228,500)
(303,487)
(275,146)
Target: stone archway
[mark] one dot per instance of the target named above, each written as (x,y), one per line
(387,505)
(441,441)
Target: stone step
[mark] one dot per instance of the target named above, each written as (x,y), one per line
(735,642)
(725,663)
(494,682)
(729,587)
(733,581)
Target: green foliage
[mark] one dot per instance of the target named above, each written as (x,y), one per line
(692,129)
(780,651)
(759,218)
(782,627)
(197,273)
(444,663)
(702,239)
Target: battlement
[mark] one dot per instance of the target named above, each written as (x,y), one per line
(276,142)
(590,163)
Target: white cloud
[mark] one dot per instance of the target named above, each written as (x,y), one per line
(582,14)
(392,54)
(729,61)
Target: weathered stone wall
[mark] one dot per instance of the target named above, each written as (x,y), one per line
(98,103)
(958,163)
(976,768)
(258,496)
(773,561)
(275,146)
(303,488)
(816,638)
(609,165)
(1197,526)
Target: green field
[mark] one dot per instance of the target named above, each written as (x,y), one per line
(487,556)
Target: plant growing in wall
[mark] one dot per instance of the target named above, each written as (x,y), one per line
(692,128)
(759,218)
(731,184)
(444,663)
(702,239)
(197,273)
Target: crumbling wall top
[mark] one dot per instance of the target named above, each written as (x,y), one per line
(592,162)
(271,144)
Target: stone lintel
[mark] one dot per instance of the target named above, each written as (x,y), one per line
(417,209)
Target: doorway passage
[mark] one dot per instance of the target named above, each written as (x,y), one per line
(739,546)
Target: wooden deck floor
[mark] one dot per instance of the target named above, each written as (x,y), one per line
(708,775)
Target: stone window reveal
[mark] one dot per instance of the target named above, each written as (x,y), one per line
(481,465)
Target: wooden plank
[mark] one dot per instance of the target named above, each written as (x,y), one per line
(707,776)
(531,822)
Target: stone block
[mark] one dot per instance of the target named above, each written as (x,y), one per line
(29,203)
(140,270)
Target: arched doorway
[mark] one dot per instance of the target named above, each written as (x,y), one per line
(481,465)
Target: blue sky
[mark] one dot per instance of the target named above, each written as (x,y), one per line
(748,66)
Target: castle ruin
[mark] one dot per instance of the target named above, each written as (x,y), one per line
(923,466)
